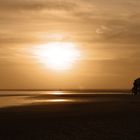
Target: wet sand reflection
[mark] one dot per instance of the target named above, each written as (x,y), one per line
(57,97)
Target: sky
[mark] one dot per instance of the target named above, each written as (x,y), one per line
(107,33)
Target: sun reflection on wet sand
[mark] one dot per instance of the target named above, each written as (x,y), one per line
(57,97)
(53,100)
(10,101)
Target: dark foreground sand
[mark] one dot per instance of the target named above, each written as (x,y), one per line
(104,117)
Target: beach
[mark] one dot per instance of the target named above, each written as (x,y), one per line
(71,117)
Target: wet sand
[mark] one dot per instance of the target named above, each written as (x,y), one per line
(72,117)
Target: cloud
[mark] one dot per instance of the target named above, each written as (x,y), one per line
(36,5)
(110,30)
(12,54)
(90,22)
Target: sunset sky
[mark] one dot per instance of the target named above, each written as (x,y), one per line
(104,36)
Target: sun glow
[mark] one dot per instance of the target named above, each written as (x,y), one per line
(57,55)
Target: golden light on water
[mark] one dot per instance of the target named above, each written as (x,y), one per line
(57,55)
(57,93)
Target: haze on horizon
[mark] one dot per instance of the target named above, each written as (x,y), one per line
(106,33)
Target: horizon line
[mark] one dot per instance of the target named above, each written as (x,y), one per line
(90,90)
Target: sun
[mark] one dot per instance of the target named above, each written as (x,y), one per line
(57,55)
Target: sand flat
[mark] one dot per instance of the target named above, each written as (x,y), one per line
(99,117)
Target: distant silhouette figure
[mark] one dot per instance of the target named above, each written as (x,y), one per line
(136,87)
